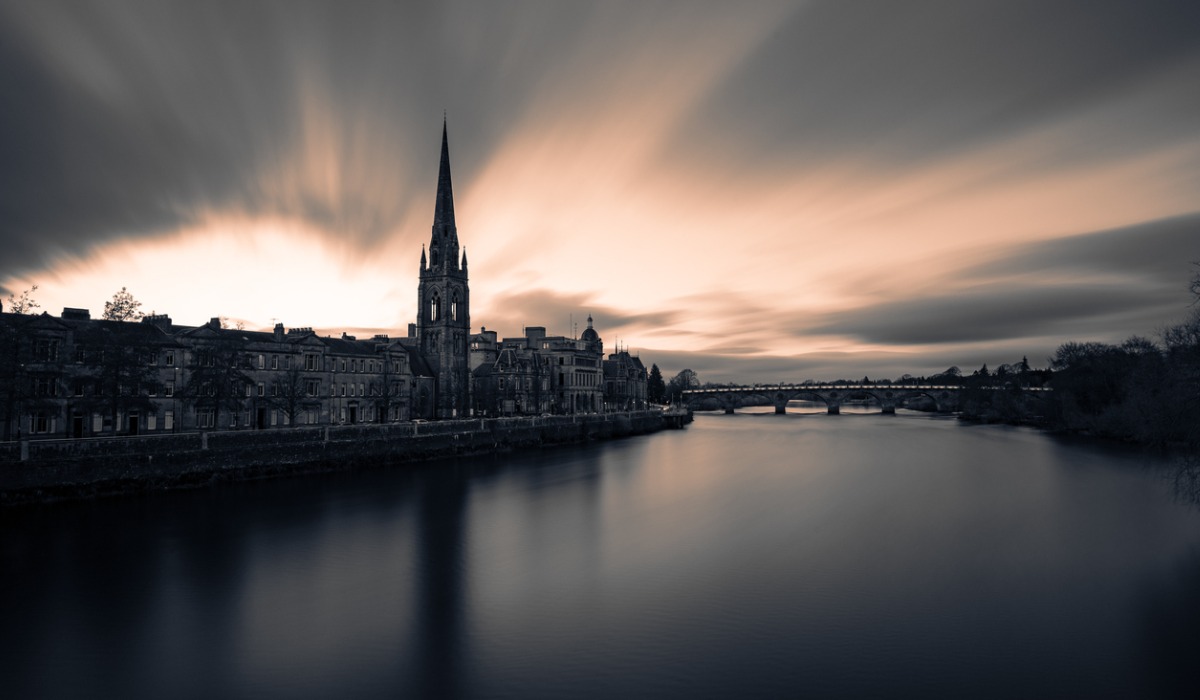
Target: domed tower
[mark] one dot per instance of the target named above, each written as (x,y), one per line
(591,339)
(444,303)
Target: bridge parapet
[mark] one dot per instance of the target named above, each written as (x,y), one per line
(946,397)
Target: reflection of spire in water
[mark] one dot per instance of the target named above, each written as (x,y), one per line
(440,598)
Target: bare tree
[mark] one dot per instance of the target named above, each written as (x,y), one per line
(14,380)
(123,307)
(388,391)
(120,364)
(24,304)
(686,379)
(217,379)
(1193,287)
(291,394)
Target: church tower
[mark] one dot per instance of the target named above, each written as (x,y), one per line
(443,302)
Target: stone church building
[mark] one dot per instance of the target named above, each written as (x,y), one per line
(73,376)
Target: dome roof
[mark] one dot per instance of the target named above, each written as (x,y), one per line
(590,335)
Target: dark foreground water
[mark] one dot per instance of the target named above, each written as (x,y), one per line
(748,556)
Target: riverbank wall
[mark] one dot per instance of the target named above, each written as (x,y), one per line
(48,470)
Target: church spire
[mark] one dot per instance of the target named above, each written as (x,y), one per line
(443,213)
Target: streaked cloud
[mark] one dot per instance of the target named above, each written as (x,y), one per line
(790,187)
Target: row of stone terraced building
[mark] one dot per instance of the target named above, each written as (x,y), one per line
(75,376)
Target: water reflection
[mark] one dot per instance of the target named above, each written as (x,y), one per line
(748,556)
(1185,479)
(440,600)
(1170,624)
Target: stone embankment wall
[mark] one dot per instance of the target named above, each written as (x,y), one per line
(39,470)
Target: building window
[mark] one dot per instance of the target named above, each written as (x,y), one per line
(287,361)
(45,350)
(343,365)
(261,389)
(169,358)
(361,391)
(274,361)
(343,390)
(262,363)
(204,418)
(45,386)
(310,362)
(312,386)
(168,420)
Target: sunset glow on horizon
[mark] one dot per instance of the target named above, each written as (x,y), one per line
(766,193)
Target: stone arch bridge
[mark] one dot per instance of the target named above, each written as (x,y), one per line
(945,397)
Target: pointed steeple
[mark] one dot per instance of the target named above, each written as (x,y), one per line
(422,257)
(443,213)
(464,258)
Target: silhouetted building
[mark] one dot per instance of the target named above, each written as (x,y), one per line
(75,376)
(538,373)
(443,302)
(624,382)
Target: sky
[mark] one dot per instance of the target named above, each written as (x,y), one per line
(763,191)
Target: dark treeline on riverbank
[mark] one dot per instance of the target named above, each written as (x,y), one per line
(1141,390)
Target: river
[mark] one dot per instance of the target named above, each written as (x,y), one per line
(750,555)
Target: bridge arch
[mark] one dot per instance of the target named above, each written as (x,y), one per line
(782,398)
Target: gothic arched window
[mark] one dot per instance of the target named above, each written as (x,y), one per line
(454,307)
(435,306)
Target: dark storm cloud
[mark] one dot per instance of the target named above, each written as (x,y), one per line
(127,118)
(103,141)
(906,81)
(1157,252)
(1133,277)
(994,313)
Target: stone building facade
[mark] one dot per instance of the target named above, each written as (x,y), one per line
(73,376)
(537,373)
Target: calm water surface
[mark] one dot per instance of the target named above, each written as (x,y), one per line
(748,556)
